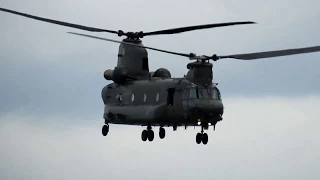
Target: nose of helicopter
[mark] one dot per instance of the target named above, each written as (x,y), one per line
(208,105)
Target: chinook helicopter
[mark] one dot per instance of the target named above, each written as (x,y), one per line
(141,97)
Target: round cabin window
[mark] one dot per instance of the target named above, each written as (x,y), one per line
(119,97)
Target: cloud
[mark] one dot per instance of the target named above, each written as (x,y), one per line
(37,46)
(259,138)
(47,71)
(51,109)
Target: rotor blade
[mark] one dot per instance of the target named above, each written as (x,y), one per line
(191,28)
(92,29)
(132,44)
(269,54)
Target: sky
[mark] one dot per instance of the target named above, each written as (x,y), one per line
(50,96)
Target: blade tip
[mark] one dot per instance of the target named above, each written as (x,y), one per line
(72,33)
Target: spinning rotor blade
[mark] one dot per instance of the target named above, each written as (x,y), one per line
(120,32)
(269,54)
(191,56)
(132,44)
(191,28)
(92,29)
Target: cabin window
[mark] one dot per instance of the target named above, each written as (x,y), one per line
(186,94)
(157,97)
(132,97)
(119,97)
(193,93)
(144,98)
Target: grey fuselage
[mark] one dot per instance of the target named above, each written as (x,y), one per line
(140,97)
(161,102)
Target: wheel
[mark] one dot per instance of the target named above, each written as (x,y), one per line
(150,135)
(105,130)
(205,138)
(144,135)
(162,133)
(198,138)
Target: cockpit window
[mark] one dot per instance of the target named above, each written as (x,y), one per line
(193,94)
(204,93)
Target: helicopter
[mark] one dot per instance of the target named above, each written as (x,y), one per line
(140,97)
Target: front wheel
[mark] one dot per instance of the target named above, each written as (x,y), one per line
(205,138)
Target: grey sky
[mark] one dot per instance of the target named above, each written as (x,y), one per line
(51,76)
(247,146)
(43,61)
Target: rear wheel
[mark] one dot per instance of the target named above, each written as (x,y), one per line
(105,130)
(144,135)
(150,135)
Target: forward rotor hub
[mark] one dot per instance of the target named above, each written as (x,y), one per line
(131,35)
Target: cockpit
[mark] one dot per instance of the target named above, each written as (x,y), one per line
(204,99)
(202,93)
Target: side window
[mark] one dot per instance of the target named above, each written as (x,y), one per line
(200,93)
(119,97)
(193,94)
(216,94)
(132,97)
(144,97)
(157,97)
(186,94)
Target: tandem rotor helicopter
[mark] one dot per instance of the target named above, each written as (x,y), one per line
(138,96)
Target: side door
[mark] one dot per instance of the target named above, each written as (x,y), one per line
(171,96)
(185,99)
(178,99)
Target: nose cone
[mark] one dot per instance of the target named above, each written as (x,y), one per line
(208,105)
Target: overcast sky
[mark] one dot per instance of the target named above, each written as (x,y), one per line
(51,81)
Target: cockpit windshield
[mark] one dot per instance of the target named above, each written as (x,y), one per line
(204,93)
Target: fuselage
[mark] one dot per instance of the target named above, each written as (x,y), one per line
(162,102)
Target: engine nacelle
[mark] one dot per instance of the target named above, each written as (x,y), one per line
(108,74)
(162,73)
(119,75)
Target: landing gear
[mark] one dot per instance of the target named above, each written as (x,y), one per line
(205,138)
(150,135)
(162,132)
(105,130)
(144,135)
(147,134)
(174,127)
(202,137)
(199,138)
